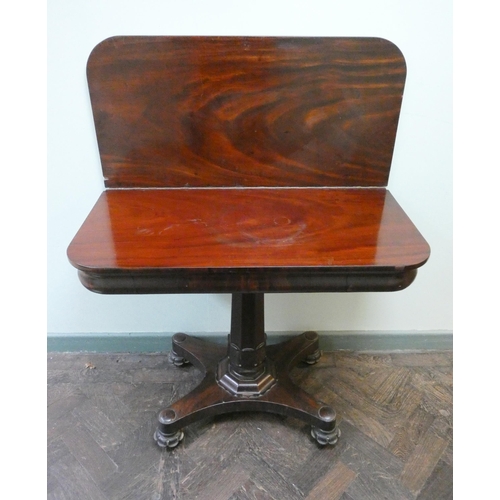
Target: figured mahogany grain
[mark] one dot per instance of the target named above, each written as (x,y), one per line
(245,111)
(247,228)
(248,166)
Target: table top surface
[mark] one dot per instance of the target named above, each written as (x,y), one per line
(159,229)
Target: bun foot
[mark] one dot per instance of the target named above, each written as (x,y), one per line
(168,440)
(325,437)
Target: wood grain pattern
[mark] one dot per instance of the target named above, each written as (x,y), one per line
(251,165)
(247,456)
(333,484)
(253,146)
(422,461)
(246,111)
(251,233)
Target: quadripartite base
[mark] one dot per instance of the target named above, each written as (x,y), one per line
(223,390)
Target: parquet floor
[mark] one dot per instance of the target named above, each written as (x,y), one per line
(395,413)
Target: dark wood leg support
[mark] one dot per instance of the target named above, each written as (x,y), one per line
(247,375)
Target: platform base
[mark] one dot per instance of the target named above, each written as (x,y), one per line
(271,390)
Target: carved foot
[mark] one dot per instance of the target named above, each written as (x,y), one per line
(313,358)
(177,360)
(168,440)
(165,439)
(324,437)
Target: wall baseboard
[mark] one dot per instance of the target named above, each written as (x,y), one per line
(329,341)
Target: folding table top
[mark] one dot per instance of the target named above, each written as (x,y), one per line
(246,164)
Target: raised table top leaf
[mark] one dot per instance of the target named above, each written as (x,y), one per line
(246,111)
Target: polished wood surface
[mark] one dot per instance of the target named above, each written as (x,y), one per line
(251,228)
(246,165)
(246,111)
(248,230)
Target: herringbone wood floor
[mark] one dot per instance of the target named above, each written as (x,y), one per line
(395,413)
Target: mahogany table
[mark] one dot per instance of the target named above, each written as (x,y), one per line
(246,165)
